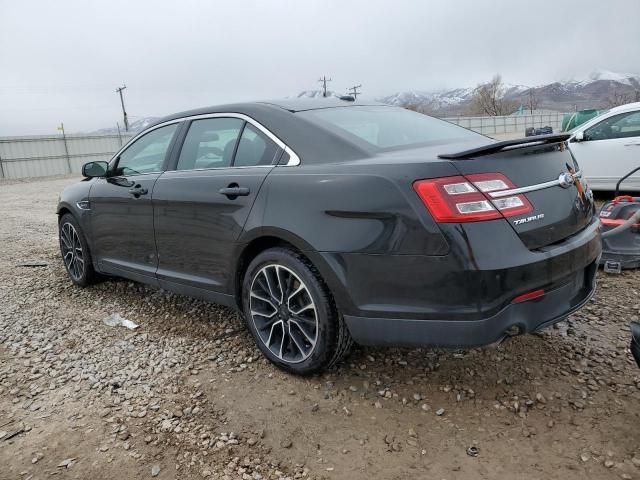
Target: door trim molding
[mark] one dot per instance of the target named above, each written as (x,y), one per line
(294,159)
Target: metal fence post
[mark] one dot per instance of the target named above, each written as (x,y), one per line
(66,148)
(119,134)
(1,168)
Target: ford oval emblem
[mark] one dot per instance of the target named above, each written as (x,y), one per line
(565,180)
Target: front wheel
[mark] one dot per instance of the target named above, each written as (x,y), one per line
(291,314)
(75,252)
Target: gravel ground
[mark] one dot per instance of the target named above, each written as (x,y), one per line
(187,395)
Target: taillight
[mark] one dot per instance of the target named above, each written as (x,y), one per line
(463,199)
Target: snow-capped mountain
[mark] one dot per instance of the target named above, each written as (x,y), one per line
(595,90)
(134,127)
(592,91)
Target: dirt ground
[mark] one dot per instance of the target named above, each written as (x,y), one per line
(187,395)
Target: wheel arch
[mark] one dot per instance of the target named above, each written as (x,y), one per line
(63,210)
(271,238)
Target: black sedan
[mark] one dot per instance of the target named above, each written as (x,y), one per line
(330,221)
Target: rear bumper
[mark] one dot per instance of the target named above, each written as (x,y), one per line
(523,317)
(463,299)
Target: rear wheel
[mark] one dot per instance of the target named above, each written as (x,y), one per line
(75,252)
(291,314)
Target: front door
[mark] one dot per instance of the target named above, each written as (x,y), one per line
(611,149)
(122,209)
(201,207)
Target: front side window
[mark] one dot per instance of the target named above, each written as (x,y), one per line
(387,127)
(210,143)
(147,154)
(619,126)
(254,148)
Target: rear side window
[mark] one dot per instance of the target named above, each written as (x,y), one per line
(254,148)
(387,127)
(210,143)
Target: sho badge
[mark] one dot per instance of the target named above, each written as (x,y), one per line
(520,221)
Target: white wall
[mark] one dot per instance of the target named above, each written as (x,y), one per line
(40,156)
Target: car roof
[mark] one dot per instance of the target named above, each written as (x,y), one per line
(625,108)
(287,104)
(306,103)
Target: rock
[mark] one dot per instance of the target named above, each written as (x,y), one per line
(252,441)
(67,463)
(286,443)
(585,457)
(166,426)
(440,412)
(315,407)
(155,470)
(609,463)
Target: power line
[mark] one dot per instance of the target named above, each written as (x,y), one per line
(324,81)
(124,112)
(354,91)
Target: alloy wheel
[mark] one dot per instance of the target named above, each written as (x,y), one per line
(283,313)
(72,252)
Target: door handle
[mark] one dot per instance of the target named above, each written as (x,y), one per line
(234,190)
(138,190)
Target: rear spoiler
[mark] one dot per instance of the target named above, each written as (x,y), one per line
(507,145)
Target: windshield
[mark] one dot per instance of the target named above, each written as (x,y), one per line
(388,127)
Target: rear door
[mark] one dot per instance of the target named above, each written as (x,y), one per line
(201,205)
(122,211)
(560,205)
(610,149)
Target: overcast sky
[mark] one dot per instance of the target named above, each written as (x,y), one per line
(62,60)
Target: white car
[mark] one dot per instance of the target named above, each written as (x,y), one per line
(607,147)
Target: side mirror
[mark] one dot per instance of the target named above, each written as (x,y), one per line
(579,136)
(95,169)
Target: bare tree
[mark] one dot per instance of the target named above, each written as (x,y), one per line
(488,99)
(618,98)
(532,100)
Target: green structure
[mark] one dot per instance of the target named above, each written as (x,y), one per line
(572,120)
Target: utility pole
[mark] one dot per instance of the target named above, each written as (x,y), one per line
(324,81)
(124,112)
(354,91)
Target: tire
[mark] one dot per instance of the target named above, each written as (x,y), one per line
(75,253)
(299,330)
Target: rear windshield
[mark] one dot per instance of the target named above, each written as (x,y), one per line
(388,127)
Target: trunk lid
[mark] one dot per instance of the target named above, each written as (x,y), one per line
(562,203)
